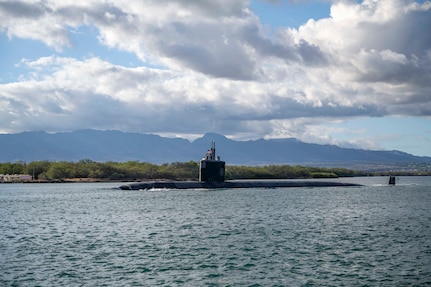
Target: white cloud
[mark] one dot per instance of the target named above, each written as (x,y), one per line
(218,70)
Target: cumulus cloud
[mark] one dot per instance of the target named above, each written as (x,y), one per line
(217,68)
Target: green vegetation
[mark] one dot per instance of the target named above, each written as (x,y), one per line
(134,170)
(286,171)
(88,169)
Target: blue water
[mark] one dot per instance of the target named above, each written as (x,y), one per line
(93,235)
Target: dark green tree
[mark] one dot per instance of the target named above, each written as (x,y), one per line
(38,169)
(61,170)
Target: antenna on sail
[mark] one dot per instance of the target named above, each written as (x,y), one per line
(213,151)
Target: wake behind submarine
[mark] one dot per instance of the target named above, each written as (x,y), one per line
(212,176)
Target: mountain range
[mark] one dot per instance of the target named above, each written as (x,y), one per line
(121,146)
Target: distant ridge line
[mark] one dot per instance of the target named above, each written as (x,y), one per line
(120,146)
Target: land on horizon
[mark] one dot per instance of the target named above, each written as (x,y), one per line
(90,171)
(122,146)
(116,146)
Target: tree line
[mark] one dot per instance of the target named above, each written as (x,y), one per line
(135,170)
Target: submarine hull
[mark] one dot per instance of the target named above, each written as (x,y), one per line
(229,184)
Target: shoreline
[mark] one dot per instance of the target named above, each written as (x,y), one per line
(236,182)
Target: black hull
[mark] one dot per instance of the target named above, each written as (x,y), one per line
(229,184)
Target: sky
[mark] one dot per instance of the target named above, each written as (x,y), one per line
(352,73)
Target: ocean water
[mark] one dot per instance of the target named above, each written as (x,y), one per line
(91,234)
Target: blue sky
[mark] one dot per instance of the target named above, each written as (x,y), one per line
(289,14)
(350,73)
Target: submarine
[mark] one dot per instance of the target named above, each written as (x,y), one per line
(212,176)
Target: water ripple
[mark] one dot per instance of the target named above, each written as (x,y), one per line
(92,235)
